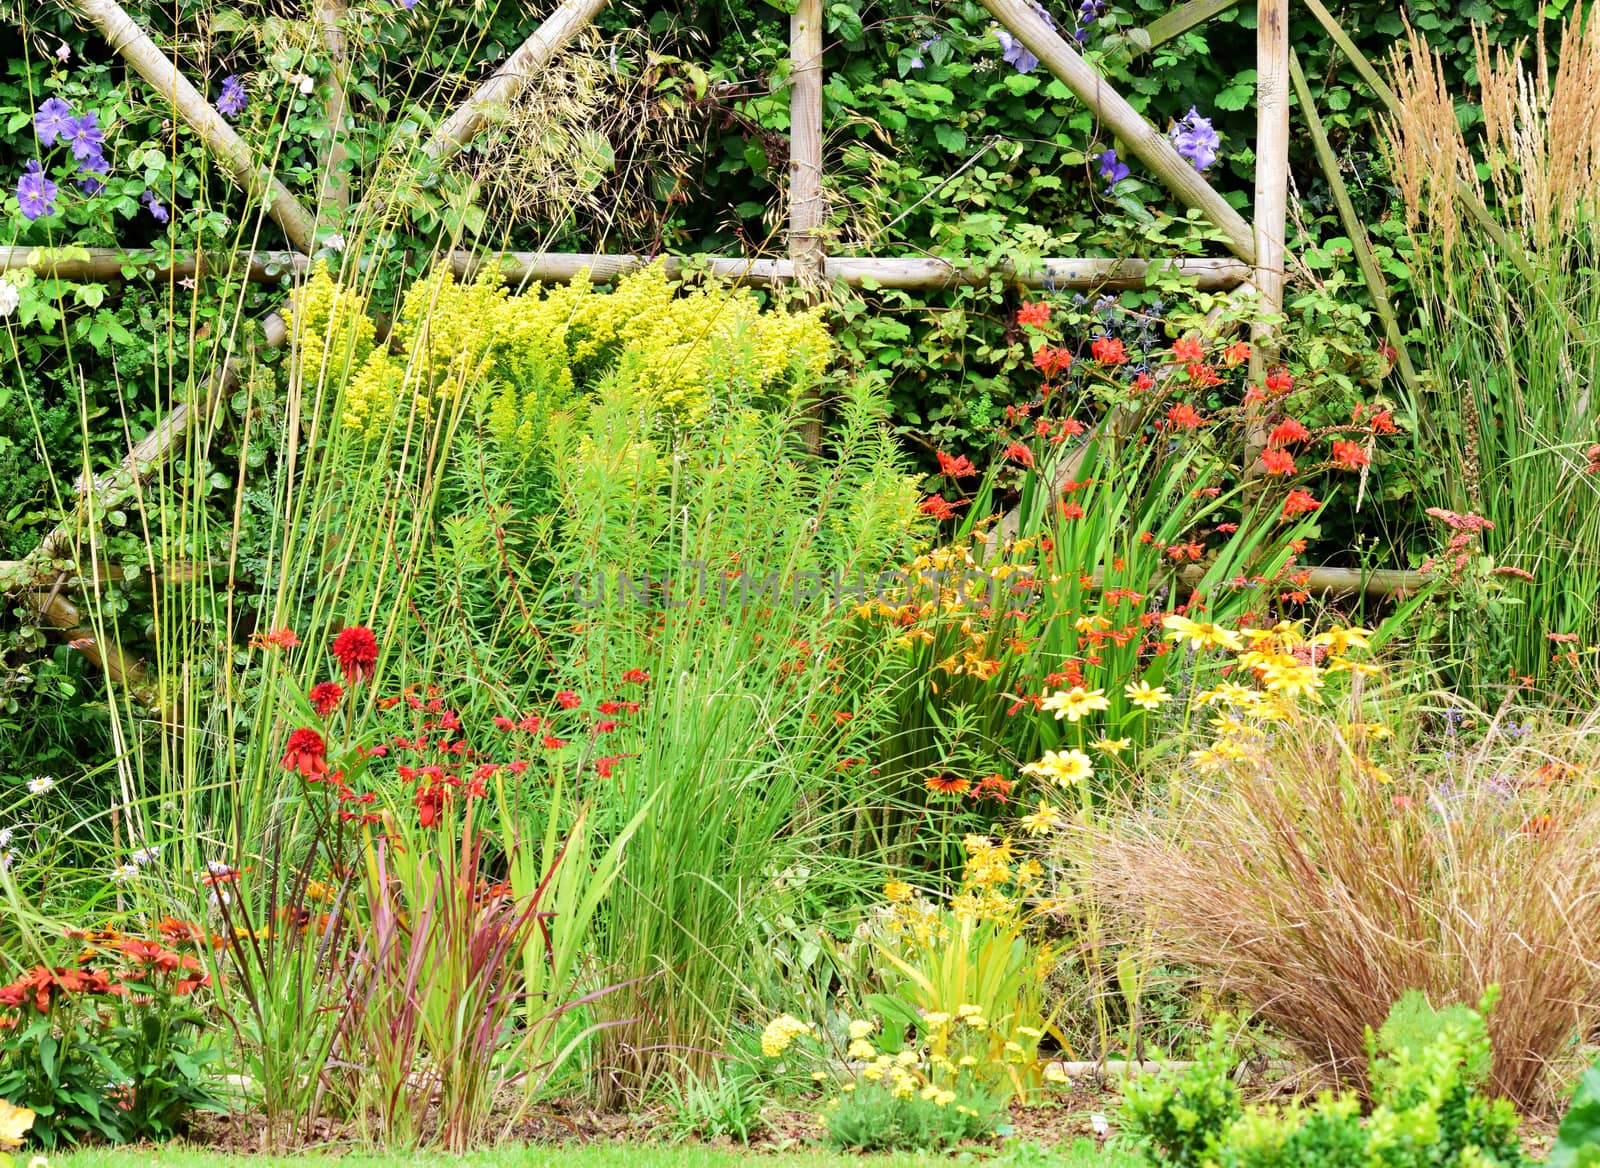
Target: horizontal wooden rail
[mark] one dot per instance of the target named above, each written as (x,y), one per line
(109,263)
(910,274)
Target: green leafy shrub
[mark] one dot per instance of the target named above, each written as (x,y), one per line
(1578,1140)
(1427,1110)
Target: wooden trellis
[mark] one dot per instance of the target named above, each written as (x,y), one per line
(1258,246)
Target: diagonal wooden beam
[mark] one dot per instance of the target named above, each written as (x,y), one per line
(520,68)
(134,46)
(1147,143)
(1179,21)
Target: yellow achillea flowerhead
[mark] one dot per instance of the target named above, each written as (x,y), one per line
(780,1033)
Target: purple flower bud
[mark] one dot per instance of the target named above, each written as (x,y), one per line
(52,121)
(36,193)
(232,101)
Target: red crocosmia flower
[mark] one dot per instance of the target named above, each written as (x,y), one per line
(325,696)
(1279,381)
(1287,431)
(1143,382)
(996,787)
(1236,354)
(609,708)
(959,467)
(1052,361)
(1349,455)
(1299,502)
(356,650)
(430,802)
(1109,351)
(501,722)
(1185,417)
(1203,376)
(1020,453)
(283,638)
(1382,422)
(1277,462)
(530,724)
(1071,427)
(937,506)
(554,743)
(640,677)
(605,727)
(604,765)
(1042,427)
(568,700)
(517,767)
(306,754)
(1036,314)
(1071,511)
(1186,350)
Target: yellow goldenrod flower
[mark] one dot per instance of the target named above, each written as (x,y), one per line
(1150,697)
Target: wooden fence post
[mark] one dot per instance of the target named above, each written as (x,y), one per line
(1272,194)
(806,207)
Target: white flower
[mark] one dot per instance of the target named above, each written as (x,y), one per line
(10,297)
(1100,1124)
(5,860)
(303,82)
(5,837)
(144,857)
(218,868)
(335,242)
(62,54)
(40,785)
(123,873)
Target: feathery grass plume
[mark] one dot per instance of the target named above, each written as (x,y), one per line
(1319,894)
(1508,303)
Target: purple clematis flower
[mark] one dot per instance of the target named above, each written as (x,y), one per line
(158,211)
(84,136)
(1196,139)
(52,121)
(36,193)
(91,167)
(233,99)
(1112,170)
(1016,54)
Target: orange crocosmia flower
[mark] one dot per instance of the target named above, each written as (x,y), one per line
(1036,314)
(1143,382)
(1278,462)
(1236,354)
(1187,350)
(1071,511)
(1279,381)
(1287,431)
(1299,502)
(937,506)
(1349,455)
(1020,453)
(1052,361)
(1203,375)
(276,639)
(959,467)
(1109,351)
(1185,417)
(1382,422)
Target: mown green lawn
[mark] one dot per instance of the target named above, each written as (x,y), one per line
(1081,1155)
